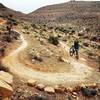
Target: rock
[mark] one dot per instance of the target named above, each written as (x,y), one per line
(64,60)
(49,90)
(69,89)
(77,88)
(40,86)
(38,58)
(74,93)
(92,85)
(5,89)
(33,61)
(60,89)
(23,31)
(80,34)
(31,82)
(86,44)
(34,54)
(6,77)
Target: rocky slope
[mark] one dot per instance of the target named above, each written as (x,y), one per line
(78,13)
(5,12)
(82,13)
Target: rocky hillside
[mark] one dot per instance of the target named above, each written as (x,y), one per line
(78,13)
(5,12)
(82,13)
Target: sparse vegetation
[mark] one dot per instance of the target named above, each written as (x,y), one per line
(53,40)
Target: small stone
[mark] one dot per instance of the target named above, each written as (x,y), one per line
(31,82)
(33,60)
(64,60)
(38,58)
(74,93)
(77,88)
(60,89)
(40,86)
(92,85)
(49,90)
(69,89)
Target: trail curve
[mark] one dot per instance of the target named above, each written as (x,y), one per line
(78,74)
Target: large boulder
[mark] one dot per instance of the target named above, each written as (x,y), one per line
(8,78)
(5,89)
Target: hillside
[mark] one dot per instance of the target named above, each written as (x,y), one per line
(82,13)
(5,12)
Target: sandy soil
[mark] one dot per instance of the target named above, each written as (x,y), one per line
(80,73)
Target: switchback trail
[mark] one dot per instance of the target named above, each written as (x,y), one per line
(80,72)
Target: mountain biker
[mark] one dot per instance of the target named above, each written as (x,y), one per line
(75,48)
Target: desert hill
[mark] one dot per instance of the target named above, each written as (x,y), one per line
(78,13)
(82,13)
(5,12)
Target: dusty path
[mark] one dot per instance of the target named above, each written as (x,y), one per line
(79,74)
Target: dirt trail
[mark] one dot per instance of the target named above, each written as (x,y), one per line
(79,74)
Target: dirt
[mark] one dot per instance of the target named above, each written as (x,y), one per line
(80,73)
(50,63)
